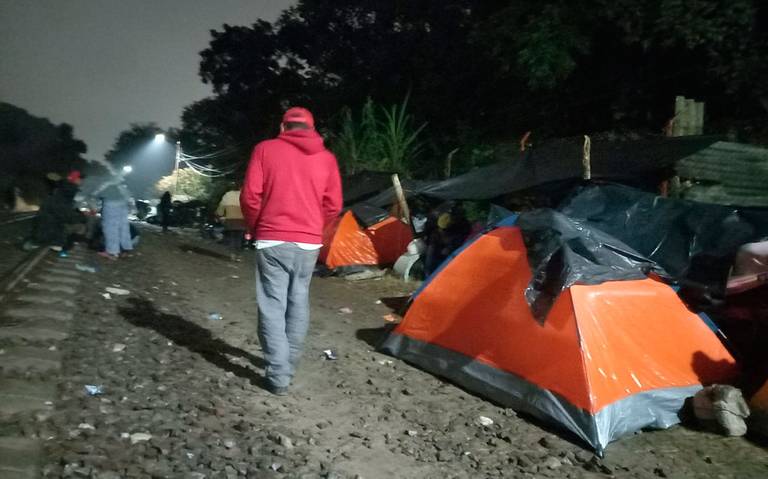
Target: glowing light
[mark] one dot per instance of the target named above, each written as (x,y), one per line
(159,138)
(127,169)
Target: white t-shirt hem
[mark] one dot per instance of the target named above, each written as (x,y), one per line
(262,244)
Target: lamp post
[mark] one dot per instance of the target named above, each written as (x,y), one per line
(176,167)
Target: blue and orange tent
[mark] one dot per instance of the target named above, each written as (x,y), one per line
(613,351)
(364,236)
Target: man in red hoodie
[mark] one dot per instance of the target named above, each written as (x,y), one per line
(291,190)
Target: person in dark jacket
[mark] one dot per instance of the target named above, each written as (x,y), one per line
(164,208)
(57,220)
(292,189)
(446,231)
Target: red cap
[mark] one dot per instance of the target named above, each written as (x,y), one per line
(298,114)
(74,176)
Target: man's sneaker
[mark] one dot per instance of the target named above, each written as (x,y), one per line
(276,390)
(279,390)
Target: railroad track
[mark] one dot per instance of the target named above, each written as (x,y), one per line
(36,311)
(11,278)
(13,230)
(16,218)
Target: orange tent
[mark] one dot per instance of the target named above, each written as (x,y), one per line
(347,243)
(607,360)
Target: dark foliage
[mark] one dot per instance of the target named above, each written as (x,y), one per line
(482,71)
(31,147)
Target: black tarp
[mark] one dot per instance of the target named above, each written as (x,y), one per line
(694,242)
(363,185)
(609,232)
(563,252)
(367,215)
(557,161)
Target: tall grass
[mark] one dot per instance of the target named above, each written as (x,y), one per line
(399,138)
(380,138)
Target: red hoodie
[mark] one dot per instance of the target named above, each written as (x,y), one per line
(291,189)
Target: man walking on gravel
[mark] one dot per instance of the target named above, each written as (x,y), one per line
(291,190)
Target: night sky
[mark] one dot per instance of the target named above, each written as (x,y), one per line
(103,64)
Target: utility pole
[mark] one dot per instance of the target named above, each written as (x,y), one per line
(176,167)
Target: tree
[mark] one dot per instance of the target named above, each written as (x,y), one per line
(131,142)
(258,71)
(602,63)
(211,125)
(31,147)
(185,182)
(486,70)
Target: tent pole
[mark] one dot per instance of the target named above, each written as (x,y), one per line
(405,212)
(586,159)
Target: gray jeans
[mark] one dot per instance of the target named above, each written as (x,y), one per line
(282,293)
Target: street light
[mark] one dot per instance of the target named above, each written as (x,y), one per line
(159,139)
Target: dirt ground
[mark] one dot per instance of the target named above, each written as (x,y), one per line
(191,384)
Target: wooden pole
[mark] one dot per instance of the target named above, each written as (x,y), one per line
(677,125)
(699,111)
(524,140)
(690,117)
(404,210)
(449,162)
(586,160)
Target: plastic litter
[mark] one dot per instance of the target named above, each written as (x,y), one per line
(85,268)
(345,310)
(118,347)
(722,409)
(215,316)
(140,437)
(330,355)
(483,421)
(117,291)
(106,295)
(94,390)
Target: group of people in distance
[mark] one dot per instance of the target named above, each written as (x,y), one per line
(59,223)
